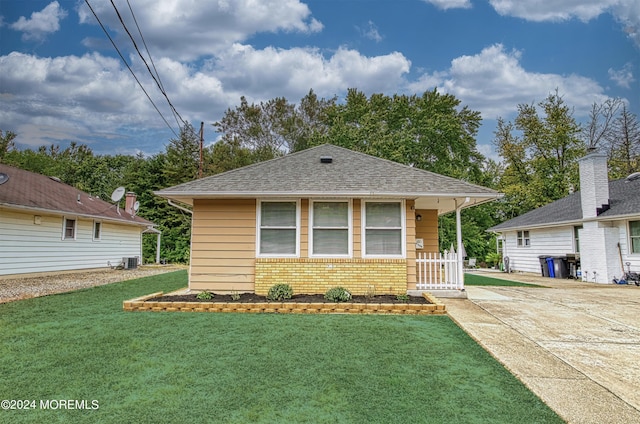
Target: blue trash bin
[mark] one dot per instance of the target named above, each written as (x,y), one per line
(552,272)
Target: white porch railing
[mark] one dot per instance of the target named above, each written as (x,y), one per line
(438,271)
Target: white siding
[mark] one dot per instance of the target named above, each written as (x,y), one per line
(632,258)
(29,247)
(548,242)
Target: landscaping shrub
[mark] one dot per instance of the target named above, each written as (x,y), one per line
(204,295)
(337,294)
(280,292)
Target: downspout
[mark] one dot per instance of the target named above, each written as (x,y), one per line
(460,264)
(182,208)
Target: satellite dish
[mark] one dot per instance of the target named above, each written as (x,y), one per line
(631,177)
(3,178)
(136,206)
(117,194)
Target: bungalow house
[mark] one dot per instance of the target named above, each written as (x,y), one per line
(323,217)
(598,225)
(46,225)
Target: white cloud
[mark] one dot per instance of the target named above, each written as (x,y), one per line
(371,32)
(450,4)
(182,31)
(494,82)
(622,77)
(41,23)
(627,12)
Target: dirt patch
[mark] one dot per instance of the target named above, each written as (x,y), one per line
(298,298)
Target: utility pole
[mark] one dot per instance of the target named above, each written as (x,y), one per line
(201,142)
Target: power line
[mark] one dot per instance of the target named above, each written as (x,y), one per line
(135,45)
(129,68)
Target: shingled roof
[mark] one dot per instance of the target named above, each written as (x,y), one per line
(624,201)
(30,191)
(346,174)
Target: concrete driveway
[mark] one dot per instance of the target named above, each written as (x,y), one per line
(576,345)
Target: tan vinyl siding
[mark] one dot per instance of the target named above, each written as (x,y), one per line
(223,245)
(427,229)
(357,228)
(411,244)
(304,228)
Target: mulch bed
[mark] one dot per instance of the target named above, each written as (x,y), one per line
(299,298)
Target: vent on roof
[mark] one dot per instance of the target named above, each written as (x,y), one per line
(631,177)
(56,179)
(326,159)
(3,178)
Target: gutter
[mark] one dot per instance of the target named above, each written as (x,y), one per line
(182,208)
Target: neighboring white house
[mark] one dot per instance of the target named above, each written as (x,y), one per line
(46,225)
(600,225)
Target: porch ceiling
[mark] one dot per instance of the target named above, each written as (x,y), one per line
(446,204)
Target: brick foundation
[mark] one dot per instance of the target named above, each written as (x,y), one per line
(316,276)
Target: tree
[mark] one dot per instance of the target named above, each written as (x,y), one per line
(182,157)
(598,129)
(6,143)
(624,145)
(540,163)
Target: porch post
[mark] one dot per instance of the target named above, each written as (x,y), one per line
(460,276)
(158,249)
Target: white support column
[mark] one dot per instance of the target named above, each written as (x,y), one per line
(158,249)
(460,258)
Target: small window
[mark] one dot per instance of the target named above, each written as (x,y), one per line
(97,230)
(69,229)
(523,239)
(278,228)
(330,228)
(634,235)
(576,238)
(383,229)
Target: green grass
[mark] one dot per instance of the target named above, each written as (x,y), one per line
(481,280)
(148,367)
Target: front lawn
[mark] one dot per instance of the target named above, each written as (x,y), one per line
(148,367)
(482,280)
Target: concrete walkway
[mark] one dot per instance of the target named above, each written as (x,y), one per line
(576,345)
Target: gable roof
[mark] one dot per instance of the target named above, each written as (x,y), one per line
(624,201)
(35,192)
(349,174)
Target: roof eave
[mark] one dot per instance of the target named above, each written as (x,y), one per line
(80,215)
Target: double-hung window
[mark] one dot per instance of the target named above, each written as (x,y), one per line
(634,236)
(383,230)
(330,228)
(68,229)
(278,228)
(523,239)
(97,230)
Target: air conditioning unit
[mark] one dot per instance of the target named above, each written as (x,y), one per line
(130,263)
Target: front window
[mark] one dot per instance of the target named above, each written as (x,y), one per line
(383,229)
(330,228)
(69,229)
(523,239)
(278,228)
(634,233)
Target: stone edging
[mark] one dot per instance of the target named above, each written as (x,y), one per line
(140,304)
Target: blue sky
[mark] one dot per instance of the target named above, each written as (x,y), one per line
(61,80)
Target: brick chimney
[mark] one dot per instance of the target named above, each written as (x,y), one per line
(594,184)
(130,200)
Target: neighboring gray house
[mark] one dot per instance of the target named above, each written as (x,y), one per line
(600,225)
(46,225)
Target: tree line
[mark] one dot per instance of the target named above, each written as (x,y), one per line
(433,131)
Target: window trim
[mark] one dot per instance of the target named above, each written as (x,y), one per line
(259,229)
(349,253)
(403,229)
(524,241)
(64,227)
(630,237)
(93,233)
(576,238)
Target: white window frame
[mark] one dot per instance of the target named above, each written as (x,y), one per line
(631,252)
(259,228)
(93,232)
(403,229)
(64,227)
(523,241)
(576,238)
(349,253)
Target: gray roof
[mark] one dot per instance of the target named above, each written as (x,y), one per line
(624,200)
(349,174)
